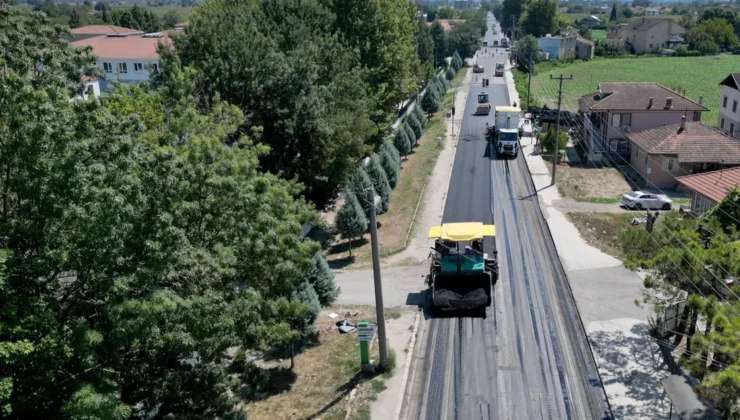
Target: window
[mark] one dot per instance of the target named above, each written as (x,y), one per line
(734,106)
(122,68)
(137,67)
(637,153)
(651,45)
(668,165)
(732,129)
(90,90)
(646,161)
(108,67)
(697,116)
(155,66)
(722,123)
(621,120)
(701,204)
(724,102)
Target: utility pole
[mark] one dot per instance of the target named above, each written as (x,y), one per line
(557,125)
(382,345)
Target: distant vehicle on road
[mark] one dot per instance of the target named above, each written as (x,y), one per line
(504,42)
(485,43)
(478,68)
(499,69)
(484,105)
(639,200)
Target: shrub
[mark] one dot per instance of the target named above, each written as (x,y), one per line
(351,221)
(390,167)
(415,125)
(380,182)
(410,133)
(430,102)
(401,142)
(450,74)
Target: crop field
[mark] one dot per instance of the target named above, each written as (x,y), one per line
(598,34)
(696,75)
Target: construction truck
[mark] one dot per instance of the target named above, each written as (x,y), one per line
(505,132)
(499,72)
(484,105)
(462,273)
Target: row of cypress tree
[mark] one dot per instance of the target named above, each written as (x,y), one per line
(379,176)
(439,84)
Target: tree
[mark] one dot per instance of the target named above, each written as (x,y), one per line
(74,19)
(539,17)
(47,7)
(101,6)
(402,142)
(721,32)
(547,140)
(126,256)
(641,3)
(446,13)
(420,115)
(321,278)
(390,167)
(627,13)
(429,103)
(465,39)
(439,37)
(380,182)
(450,74)
(106,17)
(511,11)
(613,14)
(424,52)
(528,53)
(303,90)
(687,21)
(409,133)
(415,125)
(351,221)
(361,185)
(718,12)
(170,19)
(393,152)
(442,84)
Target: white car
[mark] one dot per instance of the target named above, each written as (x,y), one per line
(639,200)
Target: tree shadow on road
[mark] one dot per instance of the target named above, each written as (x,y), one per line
(631,366)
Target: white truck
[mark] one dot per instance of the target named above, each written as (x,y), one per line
(505,132)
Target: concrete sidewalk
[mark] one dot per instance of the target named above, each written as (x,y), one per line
(605,293)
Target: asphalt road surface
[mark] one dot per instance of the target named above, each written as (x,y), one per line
(529,357)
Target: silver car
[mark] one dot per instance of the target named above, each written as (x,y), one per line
(639,200)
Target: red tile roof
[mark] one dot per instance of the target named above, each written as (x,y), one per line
(131,46)
(713,185)
(696,143)
(634,97)
(102,30)
(447,24)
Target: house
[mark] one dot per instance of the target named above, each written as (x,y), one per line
(584,48)
(648,35)
(591,21)
(92,87)
(127,58)
(729,114)
(662,154)
(447,24)
(90,31)
(709,188)
(652,12)
(559,47)
(618,109)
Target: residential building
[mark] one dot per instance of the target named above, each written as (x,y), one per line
(467,4)
(729,114)
(92,87)
(709,188)
(648,35)
(90,31)
(127,58)
(591,21)
(559,47)
(584,48)
(447,24)
(618,109)
(662,154)
(652,12)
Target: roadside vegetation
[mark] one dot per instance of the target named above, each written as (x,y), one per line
(601,230)
(592,185)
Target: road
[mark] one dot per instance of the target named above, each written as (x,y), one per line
(529,357)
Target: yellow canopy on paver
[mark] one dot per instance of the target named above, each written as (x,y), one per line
(460,232)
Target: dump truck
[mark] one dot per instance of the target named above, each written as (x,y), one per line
(505,132)
(462,273)
(484,105)
(499,71)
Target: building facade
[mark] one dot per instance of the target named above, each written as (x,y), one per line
(729,114)
(648,35)
(559,47)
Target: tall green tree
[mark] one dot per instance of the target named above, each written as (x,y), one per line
(430,102)
(539,17)
(415,124)
(380,182)
(321,279)
(719,29)
(302,90)
(170,19)
(402,142)
(439,37)
(351,221)
(613,15)
(528,53)
(465,39)
(390,166)
(360,184)
(409,133)
(74,19)
(511,12)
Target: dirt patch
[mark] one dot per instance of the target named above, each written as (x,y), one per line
(600,230)
(394,225)
(594,185)
(323,376)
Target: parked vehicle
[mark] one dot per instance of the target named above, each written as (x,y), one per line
(639,200)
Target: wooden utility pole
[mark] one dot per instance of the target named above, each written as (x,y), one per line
(557,125)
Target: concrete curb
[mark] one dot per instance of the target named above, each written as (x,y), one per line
(413,219)
(407,369)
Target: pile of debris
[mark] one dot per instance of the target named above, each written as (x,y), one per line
(346,325)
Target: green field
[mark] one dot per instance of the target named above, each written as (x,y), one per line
(578,16)
(598,34)
(697,75)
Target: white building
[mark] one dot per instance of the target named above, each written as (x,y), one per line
(125,57)
(729,114)
(652,12)
(92,87)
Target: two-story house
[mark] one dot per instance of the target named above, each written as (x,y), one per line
(729,114)
(648,34)
(127,58)
(559,47)
(618,109)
